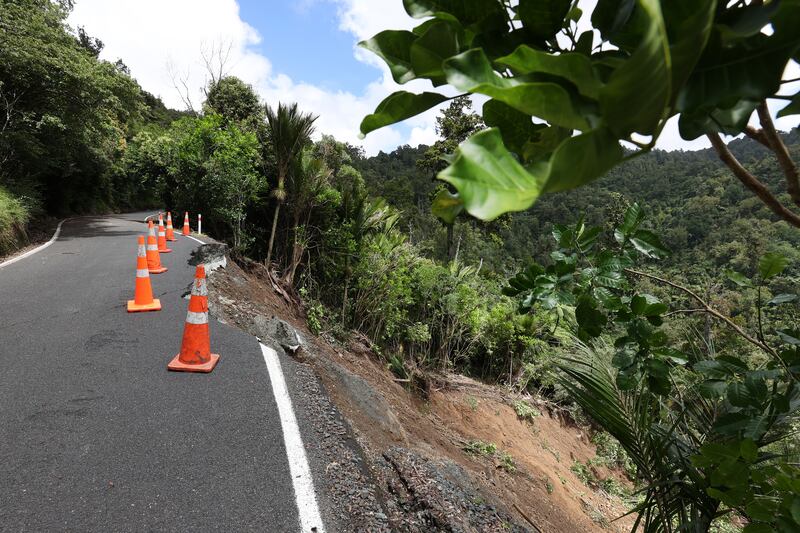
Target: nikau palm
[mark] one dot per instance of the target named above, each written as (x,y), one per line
(289,132)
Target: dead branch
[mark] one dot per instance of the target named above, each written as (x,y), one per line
(181,85)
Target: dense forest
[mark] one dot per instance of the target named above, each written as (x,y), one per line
(705,215)
(660,295)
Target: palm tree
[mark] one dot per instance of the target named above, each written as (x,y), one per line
(289,132)
(310,178)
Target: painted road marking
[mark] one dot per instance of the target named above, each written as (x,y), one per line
(194,239)
(37,249)
(298,464)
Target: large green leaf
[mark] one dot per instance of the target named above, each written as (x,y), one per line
(467,12)
(472,72)
(609,16)
(543,18)
(399,106)
(731,120)
(690,23)
(583,158)
(734,75)
(438,42)
(490,181)
(446,206)
(793,108)
(394,47)
(635,98)
(516,127)
(573,67)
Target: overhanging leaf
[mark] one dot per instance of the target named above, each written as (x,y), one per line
(438,42)
(583,158)
(516,128)
(573,67)
(543,18)
(793,108)
(748,69)
(394,47)
(399,106)
(446,206)
(472,72)
(490,181)
(633,101)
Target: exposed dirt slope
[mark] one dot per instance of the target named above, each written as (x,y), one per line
(415,448)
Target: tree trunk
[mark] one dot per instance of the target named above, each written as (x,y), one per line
(344,300)
(296,251)
(450,250)
(272,233)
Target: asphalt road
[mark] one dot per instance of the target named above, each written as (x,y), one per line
(95,433)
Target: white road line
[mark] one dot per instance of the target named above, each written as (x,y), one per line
(310,519)
(37,249)
(194,239)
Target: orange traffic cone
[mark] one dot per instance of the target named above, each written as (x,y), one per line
(153,258)
(195,354)
(143,297)
(170,230)
(162,236)
(186,229)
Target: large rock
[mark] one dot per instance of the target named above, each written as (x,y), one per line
(279,331)
(362,396)
(212,255)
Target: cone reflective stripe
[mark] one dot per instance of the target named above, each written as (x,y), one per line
(153,257)
(186,229)
(162,236)
(170,230)
(195,354)
(143,296)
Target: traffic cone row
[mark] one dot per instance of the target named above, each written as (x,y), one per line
(195,354)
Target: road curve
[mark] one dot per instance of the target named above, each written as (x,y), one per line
(95,433)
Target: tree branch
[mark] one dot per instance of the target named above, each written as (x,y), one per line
(781,152)
(757,135)
(708,309)
(751,182)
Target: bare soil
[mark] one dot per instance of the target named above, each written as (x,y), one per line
(415,445)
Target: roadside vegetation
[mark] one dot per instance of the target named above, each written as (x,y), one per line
(659,303)
(14,217)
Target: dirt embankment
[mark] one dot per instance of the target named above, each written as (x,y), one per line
(460,459)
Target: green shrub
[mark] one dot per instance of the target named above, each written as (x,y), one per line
(14,218)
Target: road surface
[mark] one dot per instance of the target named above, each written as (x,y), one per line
(95,433)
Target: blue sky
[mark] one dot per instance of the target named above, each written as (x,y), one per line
(304,41)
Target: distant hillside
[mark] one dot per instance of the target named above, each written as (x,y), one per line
(700,209)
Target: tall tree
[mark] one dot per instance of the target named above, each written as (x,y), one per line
(454,125)
(289,132)
(311,178)
(235,101)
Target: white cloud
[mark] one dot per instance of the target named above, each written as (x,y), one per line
(154,37)
(150,34)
